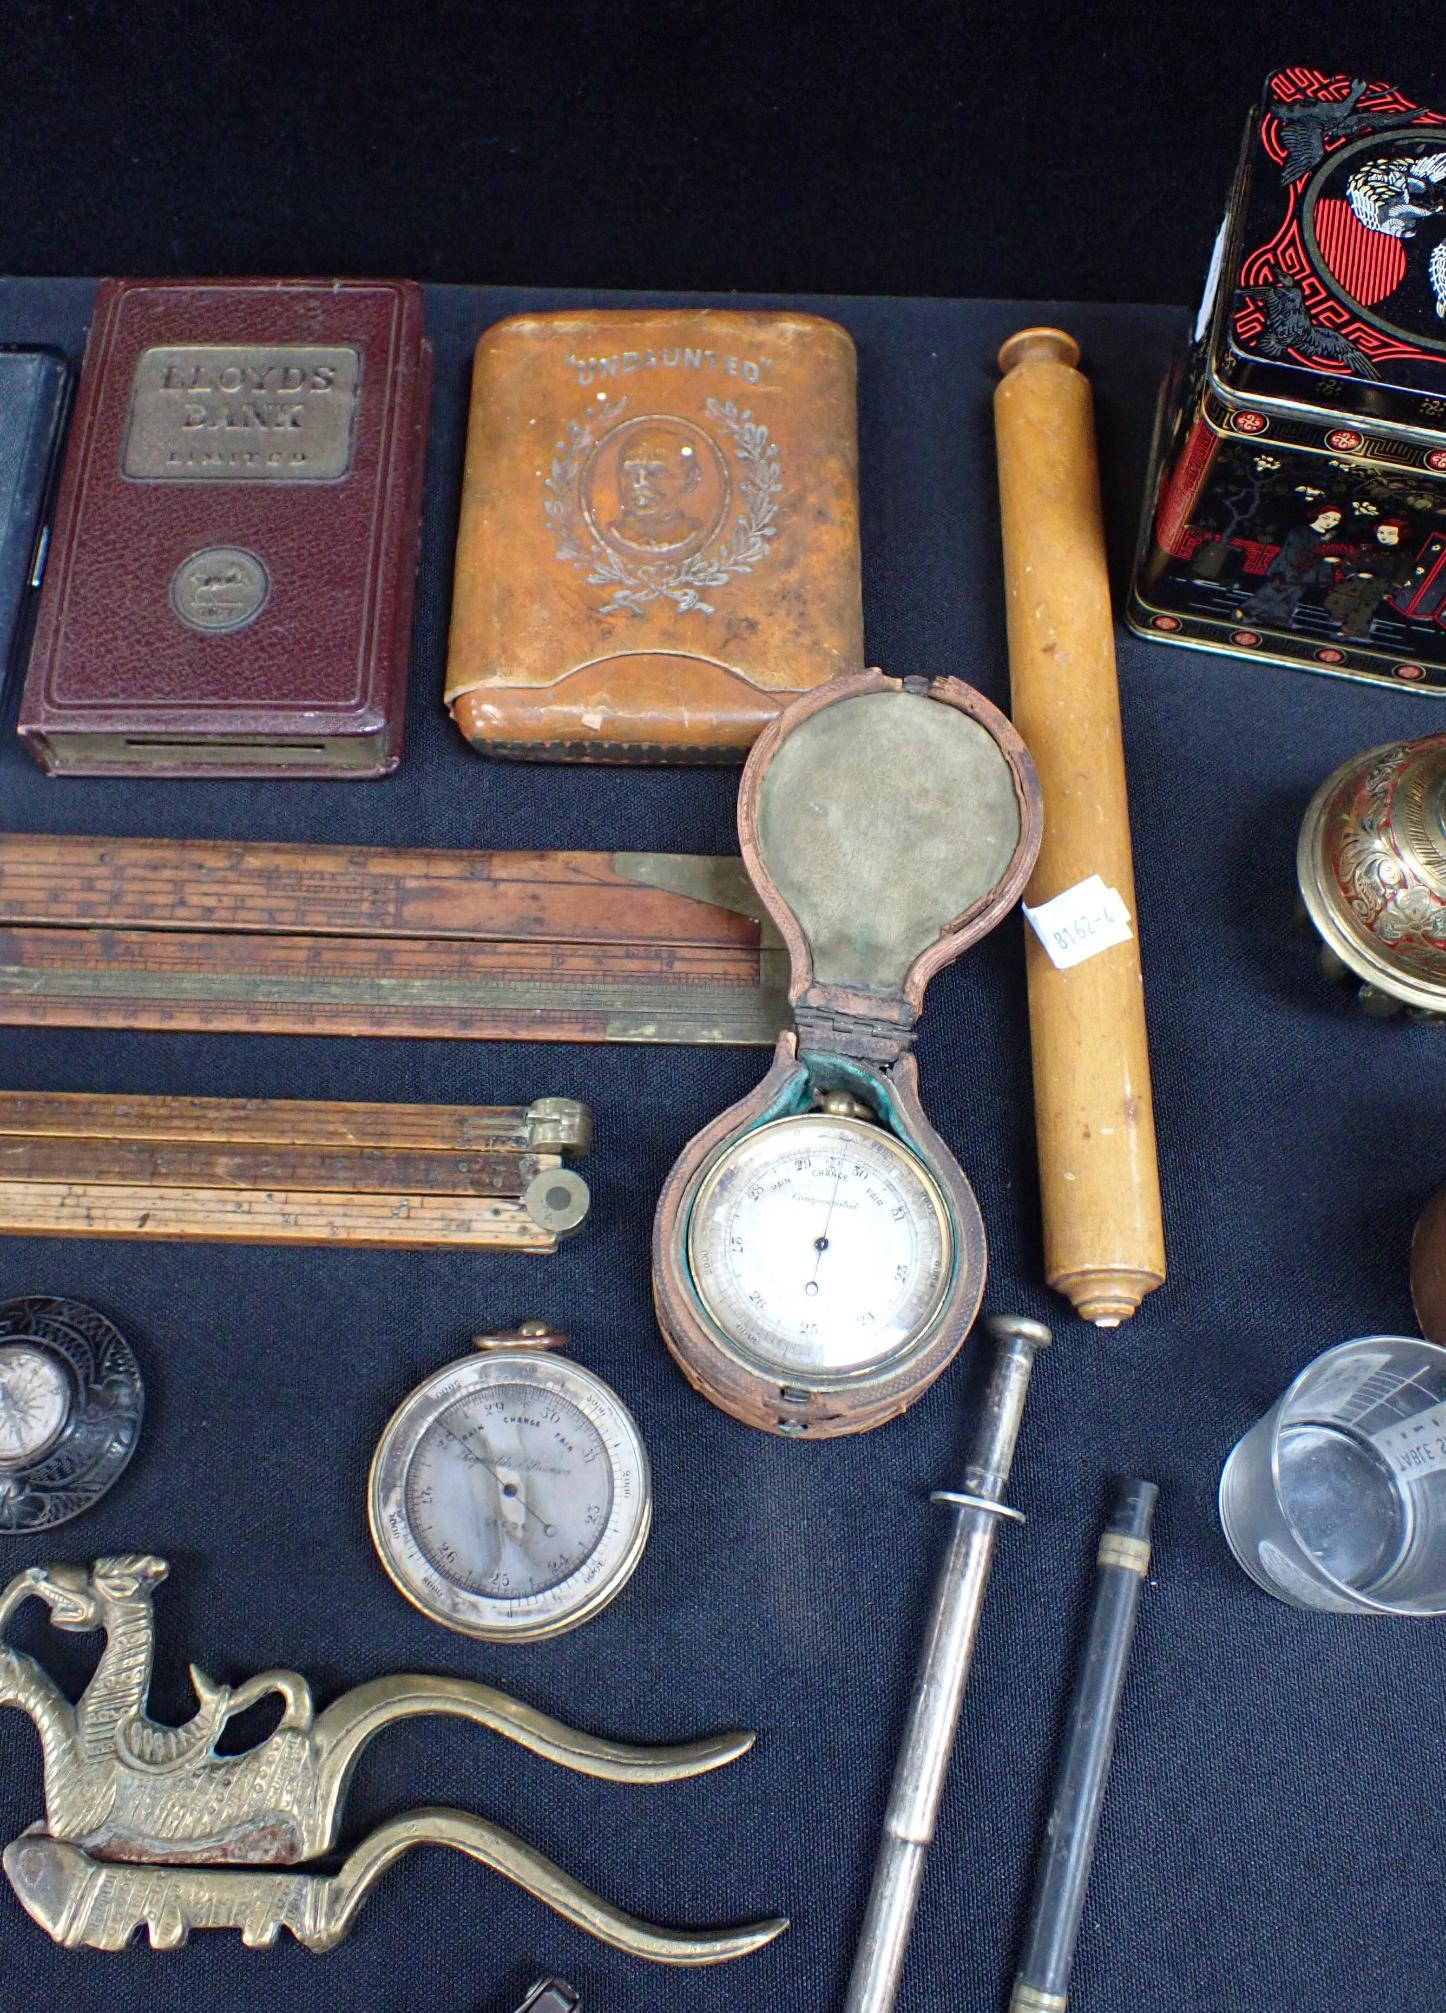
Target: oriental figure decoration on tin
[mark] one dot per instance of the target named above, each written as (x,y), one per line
(148,1825)
(653,506)
(1341,552)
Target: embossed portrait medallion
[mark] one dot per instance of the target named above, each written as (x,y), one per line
(655,485)
(653,506)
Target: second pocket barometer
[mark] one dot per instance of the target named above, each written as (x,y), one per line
(818,1255)
(510,1495)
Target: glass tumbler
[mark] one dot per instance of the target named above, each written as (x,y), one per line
(1337,1497)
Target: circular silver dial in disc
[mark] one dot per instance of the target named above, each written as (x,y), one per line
(820,1247)
(510,1496)
(35,1400)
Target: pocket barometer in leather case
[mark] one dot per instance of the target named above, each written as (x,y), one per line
(818,1255)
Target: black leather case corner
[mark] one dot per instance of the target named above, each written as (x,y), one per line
(34,398)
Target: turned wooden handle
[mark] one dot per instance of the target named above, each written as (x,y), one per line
(1104,1243)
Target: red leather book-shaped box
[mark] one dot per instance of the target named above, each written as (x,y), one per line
(231,576)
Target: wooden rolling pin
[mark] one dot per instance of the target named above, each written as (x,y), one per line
(1104,1244)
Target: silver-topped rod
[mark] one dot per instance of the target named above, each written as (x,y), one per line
(918,1785)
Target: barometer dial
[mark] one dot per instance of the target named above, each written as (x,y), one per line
(510,1494)
(820,1248)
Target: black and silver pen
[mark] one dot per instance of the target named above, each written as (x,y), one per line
(1042,1981)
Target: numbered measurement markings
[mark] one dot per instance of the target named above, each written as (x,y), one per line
(510,1495)
(820,1247)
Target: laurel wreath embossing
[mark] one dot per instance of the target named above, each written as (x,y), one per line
(738,549)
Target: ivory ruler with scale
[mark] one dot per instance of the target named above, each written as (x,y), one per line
(295,939)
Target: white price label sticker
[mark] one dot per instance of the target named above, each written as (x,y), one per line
(1084,920)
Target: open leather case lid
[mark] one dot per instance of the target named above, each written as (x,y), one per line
(887,824)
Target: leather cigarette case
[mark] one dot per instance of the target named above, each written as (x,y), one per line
(34,393)
(232,569)
(659,542)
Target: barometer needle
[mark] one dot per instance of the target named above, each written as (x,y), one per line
(483,1462)
(477,1521)
(820,1243)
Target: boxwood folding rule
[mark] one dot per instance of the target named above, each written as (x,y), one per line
(286,1171)
(289,939)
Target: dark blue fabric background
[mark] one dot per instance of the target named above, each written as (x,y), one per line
(1272,1836)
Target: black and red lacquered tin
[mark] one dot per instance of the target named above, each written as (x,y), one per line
(1296,509)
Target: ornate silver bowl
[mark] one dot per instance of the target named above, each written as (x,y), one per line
(1372,870)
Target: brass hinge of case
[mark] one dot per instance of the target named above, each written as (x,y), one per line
(861,1037)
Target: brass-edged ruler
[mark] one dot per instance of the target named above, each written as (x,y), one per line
(287,1171)
(286,939)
